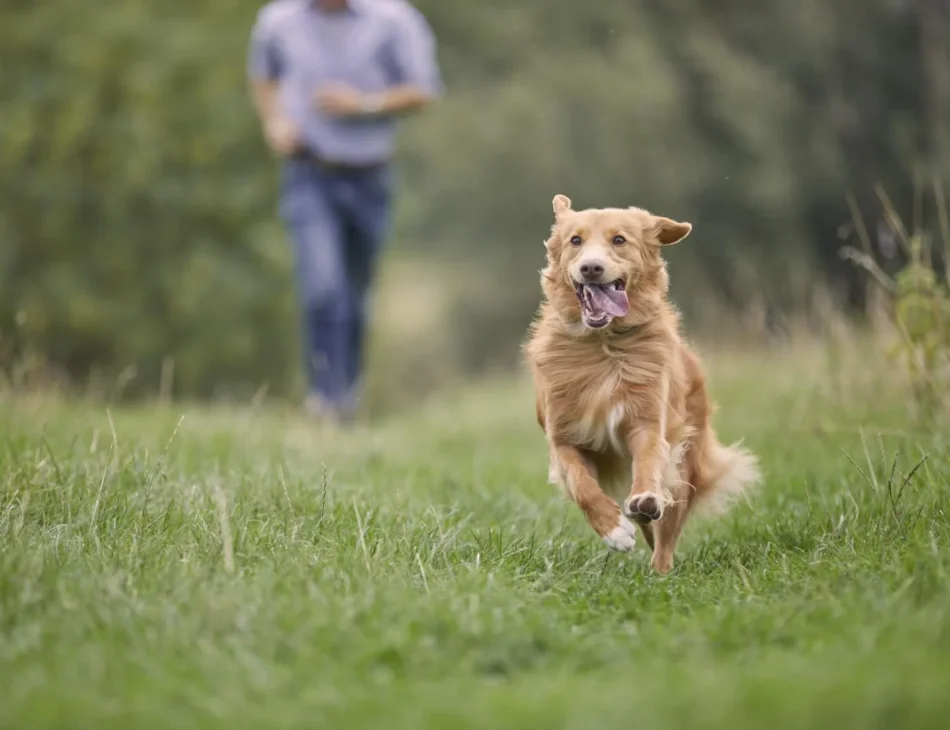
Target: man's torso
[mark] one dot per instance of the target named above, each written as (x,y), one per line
(354,47)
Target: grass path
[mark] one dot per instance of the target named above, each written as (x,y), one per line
(420,573)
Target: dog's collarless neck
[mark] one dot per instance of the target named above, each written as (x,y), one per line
(577,329)
(630,329)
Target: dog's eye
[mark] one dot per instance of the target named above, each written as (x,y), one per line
(619,240)
(576,240)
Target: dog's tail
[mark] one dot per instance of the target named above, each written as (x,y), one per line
(731,472)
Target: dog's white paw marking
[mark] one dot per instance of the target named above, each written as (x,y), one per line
(623,538)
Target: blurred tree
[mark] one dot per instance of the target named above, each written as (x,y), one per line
(137,201)
(138,216)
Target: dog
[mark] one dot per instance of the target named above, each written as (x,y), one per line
(619,394)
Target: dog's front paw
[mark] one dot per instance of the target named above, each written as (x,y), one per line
(643,508)
(623,537)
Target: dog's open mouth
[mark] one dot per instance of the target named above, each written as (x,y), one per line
(600,303)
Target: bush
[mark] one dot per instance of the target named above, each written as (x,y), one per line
(139,227)
(918,307)
(138,199)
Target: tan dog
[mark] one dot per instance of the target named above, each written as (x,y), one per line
(620,396)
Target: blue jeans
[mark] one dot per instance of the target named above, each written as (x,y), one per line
(338,220)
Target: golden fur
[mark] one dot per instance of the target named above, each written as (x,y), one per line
(624,406)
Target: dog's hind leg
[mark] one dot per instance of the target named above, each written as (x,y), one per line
(680,485)
(576,474)
(647,529)
(666,532)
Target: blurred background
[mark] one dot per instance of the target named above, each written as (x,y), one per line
(141,253)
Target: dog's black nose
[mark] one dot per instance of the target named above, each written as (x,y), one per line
(592,270)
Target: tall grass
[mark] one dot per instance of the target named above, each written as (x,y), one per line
(223,566)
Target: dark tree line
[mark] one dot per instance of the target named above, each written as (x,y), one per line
(138,216)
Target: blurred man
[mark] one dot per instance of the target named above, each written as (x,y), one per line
(329,78)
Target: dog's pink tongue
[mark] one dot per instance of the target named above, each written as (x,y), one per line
(610,300)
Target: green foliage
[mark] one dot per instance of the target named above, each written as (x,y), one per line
(138,225)
(918,302)
(138,202)
(922,313)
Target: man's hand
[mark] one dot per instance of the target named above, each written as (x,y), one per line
(339,100)
(282,136)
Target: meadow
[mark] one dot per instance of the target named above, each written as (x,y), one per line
(226,566)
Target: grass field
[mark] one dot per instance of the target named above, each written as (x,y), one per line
(222,567)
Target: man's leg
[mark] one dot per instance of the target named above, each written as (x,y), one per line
(317,227)
(368,216)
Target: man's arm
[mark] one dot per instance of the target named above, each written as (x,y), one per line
(264,71)
(415,68)
(264,93)
(281,134)
(347,102)
(402,99)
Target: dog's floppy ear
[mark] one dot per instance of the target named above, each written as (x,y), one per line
(561,205)
(669,231)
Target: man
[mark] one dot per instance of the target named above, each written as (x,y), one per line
(329,78)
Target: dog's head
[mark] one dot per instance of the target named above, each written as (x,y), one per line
(604,263)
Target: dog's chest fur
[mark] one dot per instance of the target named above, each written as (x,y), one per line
(594,390)
(596,423)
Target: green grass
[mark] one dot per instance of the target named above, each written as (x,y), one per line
(420,573)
